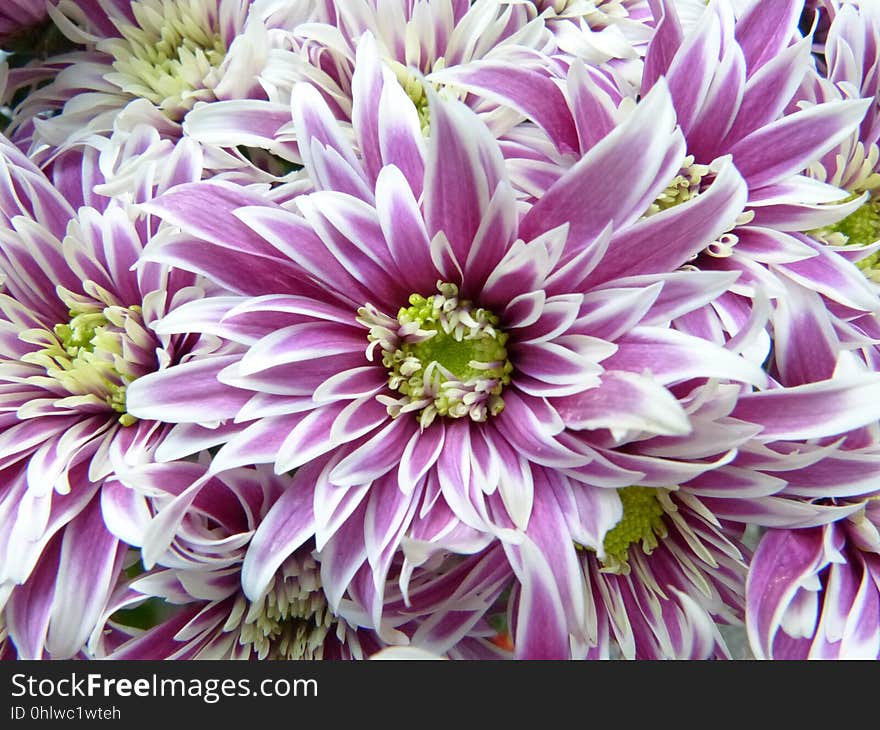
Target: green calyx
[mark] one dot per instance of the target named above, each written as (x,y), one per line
(446,358)
(642,521)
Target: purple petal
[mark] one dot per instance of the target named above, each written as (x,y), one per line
(665,241)
(287,525)
(529,91)
(464,169)
(186,393)
(87,571)
(419,456)
(787,146)
(826,408)
(377,456)
(625,401)
(765,29)
(621,189)
(781,564)
(541,629)
(404,230)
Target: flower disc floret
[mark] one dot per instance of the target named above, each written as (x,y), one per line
(642,522)
(167,57)
(87,355)
(686,185)
(292,620)
(444,356)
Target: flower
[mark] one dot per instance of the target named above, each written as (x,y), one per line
(149,61)
(292,617)
(539,369)
(78,324)
(726,112)
(854,164)
(684,575)
(416,41)
(815,593)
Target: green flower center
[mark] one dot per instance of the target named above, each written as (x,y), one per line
(444,356)
(87,355)
(642,521)
(859,228)
(168,57)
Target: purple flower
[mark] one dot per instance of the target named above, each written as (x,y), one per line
(511,400)
(850,61)
(291,618)
(151,59)
(77,325)
(415,42)
(743,105)
(685,575)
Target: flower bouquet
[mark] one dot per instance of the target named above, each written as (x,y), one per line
(491,329)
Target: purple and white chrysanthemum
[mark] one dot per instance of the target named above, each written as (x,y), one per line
(511,400)
(746,103)
(815,593)
(414,41)
(293,617)
(147,61)
(684,575)
(742,105)
(77,325)
(688,501)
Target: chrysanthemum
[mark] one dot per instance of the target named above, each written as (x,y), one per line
(292,617)
(77,325)
(665,562)
(671,574)
(741,103)
(415,40)
(448,359)
(147,60)
(815,593)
